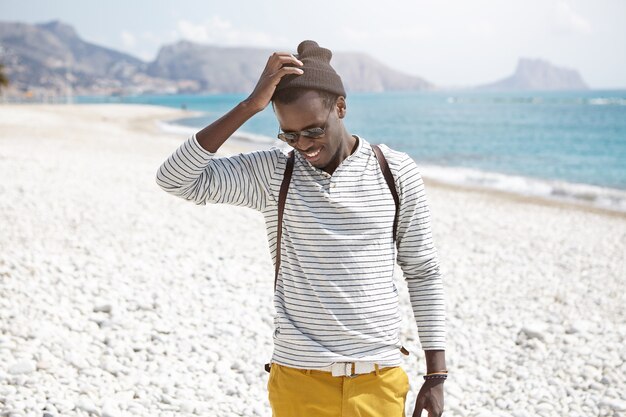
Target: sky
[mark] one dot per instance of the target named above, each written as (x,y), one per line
(451,43)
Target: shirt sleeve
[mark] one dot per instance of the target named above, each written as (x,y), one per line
(195,174)
(417,256)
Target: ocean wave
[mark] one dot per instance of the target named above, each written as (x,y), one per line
(169,127)
(607,101)
(253,141)
(590,101)
(583,194)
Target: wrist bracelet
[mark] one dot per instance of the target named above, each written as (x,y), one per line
(443,371)
(443,374)
(435,376)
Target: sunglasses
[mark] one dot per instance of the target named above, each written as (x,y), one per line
(314,133)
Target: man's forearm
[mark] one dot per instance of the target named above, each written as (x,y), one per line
(435,360)
(215,134)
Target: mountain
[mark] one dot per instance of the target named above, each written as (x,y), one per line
(50,58)
(538,74)
(360,72)
(215,69)
(51,55)
(237,69)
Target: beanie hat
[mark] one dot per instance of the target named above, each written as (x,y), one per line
(318,74)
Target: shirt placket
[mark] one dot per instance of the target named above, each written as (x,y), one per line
(332,186)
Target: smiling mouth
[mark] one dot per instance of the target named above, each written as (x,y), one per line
(314,154)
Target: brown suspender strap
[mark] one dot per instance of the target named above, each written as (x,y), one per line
(282,197)
(384,167)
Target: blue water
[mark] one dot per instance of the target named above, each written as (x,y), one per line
(577,137)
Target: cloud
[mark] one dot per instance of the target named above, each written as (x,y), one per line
(566,20)
(151,37)
(145,44)
(128,39)
(216,30)
(480,28)
(145,55)
(355,35)
(415,33)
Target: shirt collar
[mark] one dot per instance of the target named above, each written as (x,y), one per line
(361,151)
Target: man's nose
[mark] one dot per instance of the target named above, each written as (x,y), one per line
(302,142)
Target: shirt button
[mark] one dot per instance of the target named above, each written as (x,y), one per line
(332,185)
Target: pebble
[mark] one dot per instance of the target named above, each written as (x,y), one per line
(110,410)
(614,404)
(479,414)
(43,364)
(77,360)
(63,405)
(23,367)
(186,407)
(534,331)
(87,405)
(543,406)
(103,308)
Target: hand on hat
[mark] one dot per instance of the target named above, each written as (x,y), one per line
(274,70)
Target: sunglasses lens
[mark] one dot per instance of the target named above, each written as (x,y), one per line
(291,138)
(288,137)
(314,133)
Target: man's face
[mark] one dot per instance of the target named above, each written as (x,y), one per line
(306,112)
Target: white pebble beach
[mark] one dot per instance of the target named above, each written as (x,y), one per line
(118,299)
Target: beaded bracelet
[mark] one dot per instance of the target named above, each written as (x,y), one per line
(437,375)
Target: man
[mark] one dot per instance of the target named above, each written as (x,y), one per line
(336,340)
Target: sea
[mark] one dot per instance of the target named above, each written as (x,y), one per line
(556,145)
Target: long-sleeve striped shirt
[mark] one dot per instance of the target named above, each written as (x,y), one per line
(335,299)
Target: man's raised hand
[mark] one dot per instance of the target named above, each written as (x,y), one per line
(274,70)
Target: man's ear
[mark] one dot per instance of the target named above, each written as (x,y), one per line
(341,104)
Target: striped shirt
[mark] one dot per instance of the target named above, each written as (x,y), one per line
(335,298)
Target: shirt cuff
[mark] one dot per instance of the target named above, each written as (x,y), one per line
(193,142)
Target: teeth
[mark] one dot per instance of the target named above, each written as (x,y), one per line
(311,155)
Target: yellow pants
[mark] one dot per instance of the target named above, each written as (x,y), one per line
(297,392)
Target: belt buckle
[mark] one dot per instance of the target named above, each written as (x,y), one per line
(343,369)
(348,370)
